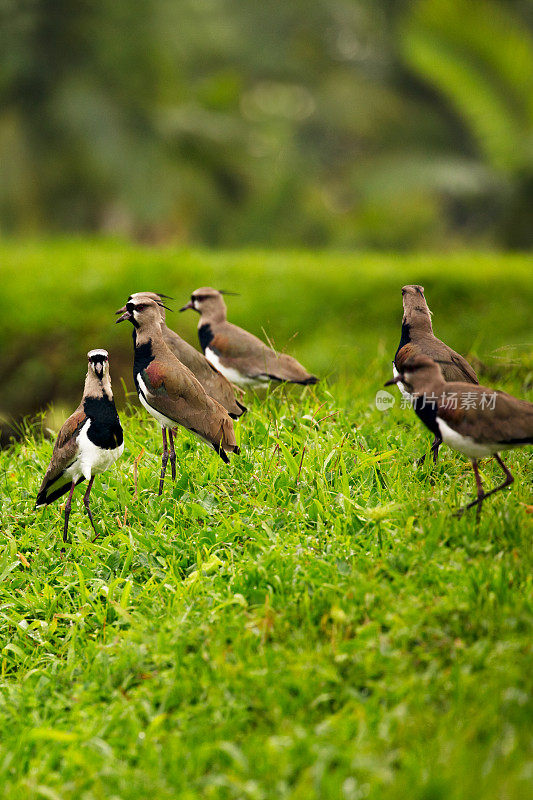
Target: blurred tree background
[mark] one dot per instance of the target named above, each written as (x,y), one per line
(346,123)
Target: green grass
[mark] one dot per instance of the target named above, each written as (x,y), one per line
(310,622)
(334,311)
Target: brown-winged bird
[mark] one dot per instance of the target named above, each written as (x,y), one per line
(417,338)
(89,442)
(214,383)
(170,392)
(239,355)
(471,419)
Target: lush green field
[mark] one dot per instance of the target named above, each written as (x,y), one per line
(310,622)
(338,312)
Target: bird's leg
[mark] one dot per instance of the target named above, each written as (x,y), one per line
(507,482)
(164,459)
(67,510)
(509,479)
(437,441)
(435,444)
(482,495)
(87,506)
(172,453)
(480,492)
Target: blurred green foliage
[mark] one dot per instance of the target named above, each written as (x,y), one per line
(367,123)
(340,314)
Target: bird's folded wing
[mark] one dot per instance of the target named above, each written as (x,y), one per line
(65,447)
(492,417)
(181,398)
(408,350)
(248,354)
(464,367)
(235,342)
(510,421)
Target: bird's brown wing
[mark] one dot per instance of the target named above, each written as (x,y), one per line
(490,416)
(214,383)
(408,350)
(247,354)
(64,453)
(177,394)
(454,367)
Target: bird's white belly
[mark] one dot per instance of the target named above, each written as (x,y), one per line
(163,420)
(231,373)
(400,385)
(466,444)
(92,460)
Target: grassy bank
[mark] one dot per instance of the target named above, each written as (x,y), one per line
(336,312)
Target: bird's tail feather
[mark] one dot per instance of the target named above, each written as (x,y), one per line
(54,489)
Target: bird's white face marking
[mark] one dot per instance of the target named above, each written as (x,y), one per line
(98,362)
(466,444)
(233,375)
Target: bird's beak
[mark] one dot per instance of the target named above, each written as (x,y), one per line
(392,381)
(125,315)
(190,304)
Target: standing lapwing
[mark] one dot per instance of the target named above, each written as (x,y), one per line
(473,420)
(214,383)
(240,356)
(417,339)
(170,392)
(89,442)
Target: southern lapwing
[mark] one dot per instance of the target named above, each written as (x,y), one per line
(89,442)
(170,392)
(471,419)
(417,339)
(214,383)
(240,356)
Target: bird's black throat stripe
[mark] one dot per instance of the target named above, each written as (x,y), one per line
(205,335)
(105,430)
(426,411)
(405,337)
(143,356)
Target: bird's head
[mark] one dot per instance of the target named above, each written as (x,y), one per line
(208,302)
(142,312)
(415,308)
(418,373)
(98,363)
(140,296)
